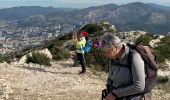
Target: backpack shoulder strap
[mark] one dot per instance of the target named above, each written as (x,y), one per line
(118,64)
(130,59)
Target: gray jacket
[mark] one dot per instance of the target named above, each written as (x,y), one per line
(126,82)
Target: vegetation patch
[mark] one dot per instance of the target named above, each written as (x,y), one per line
(163,83)
(38,58)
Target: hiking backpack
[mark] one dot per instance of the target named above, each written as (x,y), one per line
(150,65)
(87,47)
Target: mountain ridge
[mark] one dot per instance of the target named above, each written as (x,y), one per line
(25,11)
(123,15)
(126,17)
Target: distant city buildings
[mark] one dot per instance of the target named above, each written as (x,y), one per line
(13,38)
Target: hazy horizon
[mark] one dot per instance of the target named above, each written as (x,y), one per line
(73,3)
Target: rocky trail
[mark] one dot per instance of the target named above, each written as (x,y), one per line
(61,81)
(58,82)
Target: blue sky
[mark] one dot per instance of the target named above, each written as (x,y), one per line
(73,3)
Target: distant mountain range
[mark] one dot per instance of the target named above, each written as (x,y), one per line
(133,16)
(25,11)
(159,6)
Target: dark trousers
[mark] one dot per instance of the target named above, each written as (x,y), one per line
(81,59)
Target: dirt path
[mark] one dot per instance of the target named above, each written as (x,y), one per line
(59,82)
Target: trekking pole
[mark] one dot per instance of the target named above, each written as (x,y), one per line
(102,97)
(104,94)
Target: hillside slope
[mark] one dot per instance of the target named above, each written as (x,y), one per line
(59,82)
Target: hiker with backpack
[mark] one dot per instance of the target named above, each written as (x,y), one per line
(88,44)
(132,74)
(80,43)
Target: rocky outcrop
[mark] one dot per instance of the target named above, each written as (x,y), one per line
(23,59)
(107,26)
(167,71)
(46,51)
(131,36)
(153,43)
(163,73)
(167,63)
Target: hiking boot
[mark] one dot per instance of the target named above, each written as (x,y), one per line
(82,72)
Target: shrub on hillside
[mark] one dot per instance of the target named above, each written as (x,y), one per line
(163,49)
(96,60)
(65,37)
(5,59)
(163,83)
(166,40)
(92,29)
(19,55)
(162,52)
(163,79)
(25,51)
(144,39)
(58,52)
(57,41)
(38,58)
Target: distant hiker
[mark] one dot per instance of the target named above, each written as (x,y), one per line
(127,79)
(88,44)
(80,42)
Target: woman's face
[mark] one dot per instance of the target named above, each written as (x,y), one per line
(111,53)
(81,35)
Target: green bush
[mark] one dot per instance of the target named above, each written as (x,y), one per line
(58,52)
(166,40)
(92,28)
(27,50)
(57,41)
(163,79)
(5,59)
(164,84)
(163,49)
(38,58)
(18,55)
(96,60)
(144,39)
(162,52)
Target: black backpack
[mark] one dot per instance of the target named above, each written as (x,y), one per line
(150,63)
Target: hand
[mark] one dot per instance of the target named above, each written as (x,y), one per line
(110,96)
(74,37)
(73,34)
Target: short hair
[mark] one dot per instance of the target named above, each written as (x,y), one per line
(109,40)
